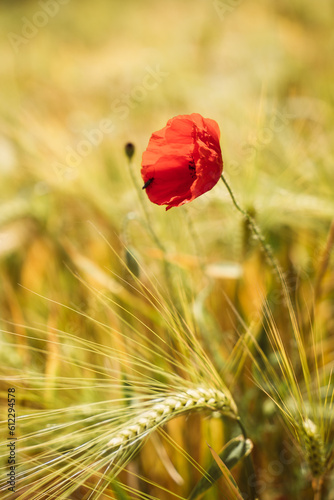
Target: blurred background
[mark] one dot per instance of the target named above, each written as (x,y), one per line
(81,79)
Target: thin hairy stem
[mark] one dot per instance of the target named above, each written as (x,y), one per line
(149,226)
(144,207)
(257,233)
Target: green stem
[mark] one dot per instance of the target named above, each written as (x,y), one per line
(257,233)
(317,487)
(144,207)
(251,477)
(167,271)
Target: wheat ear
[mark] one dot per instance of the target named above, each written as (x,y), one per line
(314,447)
(164,409)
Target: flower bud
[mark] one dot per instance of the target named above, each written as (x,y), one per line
(129,150)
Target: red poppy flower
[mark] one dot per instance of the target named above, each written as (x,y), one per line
(182,161)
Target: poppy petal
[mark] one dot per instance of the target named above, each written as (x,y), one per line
(182,161)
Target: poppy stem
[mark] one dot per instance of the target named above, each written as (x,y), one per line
(258,235)
(149,226)
(144,207)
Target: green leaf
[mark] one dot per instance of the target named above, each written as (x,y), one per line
(234,451)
